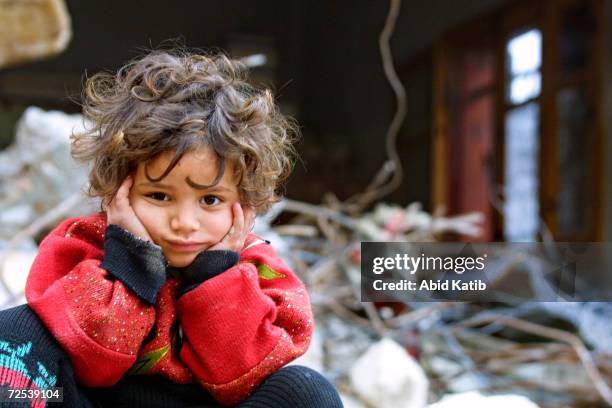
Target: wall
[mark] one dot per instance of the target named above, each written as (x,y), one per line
(329,71)
(607,178)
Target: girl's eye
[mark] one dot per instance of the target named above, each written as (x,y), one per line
(210,200)
(158,196)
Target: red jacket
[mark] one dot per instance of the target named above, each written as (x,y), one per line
(237,327)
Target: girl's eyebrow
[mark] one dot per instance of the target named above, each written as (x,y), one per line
(171,187)
(155,184)
(219,188)
(216,188)
(210,187)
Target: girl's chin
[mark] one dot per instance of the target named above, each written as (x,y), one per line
(180,261)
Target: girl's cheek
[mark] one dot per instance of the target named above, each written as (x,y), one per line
(143,210)
(223,222)
(136,204)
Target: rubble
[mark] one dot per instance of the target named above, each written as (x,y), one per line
(591,319)
(455,357)
(390,222)
(386,376)
(36,171)
(39,185)
(14,267)
(477,400)
(351,402)
(31,30)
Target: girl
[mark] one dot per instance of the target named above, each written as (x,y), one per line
(166,298)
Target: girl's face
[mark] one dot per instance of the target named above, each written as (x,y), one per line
(181,219)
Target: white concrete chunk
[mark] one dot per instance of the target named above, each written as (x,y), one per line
(386,376)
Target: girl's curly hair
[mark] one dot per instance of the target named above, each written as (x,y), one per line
(179,101)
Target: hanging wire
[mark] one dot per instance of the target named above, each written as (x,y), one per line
(393,166)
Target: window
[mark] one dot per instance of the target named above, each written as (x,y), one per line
(517,121)
(522,137)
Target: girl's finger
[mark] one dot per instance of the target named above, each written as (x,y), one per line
(238,220)
(122,193)
(250,217)
(232,231)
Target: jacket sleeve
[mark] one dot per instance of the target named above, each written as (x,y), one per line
(242,325)
(97,303)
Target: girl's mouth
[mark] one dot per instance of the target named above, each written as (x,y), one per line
(185,246)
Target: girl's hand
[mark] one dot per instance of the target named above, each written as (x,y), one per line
(241,226)
(121,213)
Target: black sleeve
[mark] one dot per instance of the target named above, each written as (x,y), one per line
(139,264)
(206,265)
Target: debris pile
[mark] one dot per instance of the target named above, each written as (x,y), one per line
(535,354)
(36,171)
(39,185)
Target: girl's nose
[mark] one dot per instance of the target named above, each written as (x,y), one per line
(184,221)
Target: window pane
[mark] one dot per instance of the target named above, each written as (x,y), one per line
(575,185)
(576,40)
(524,87)
(522,144)
(525,52)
